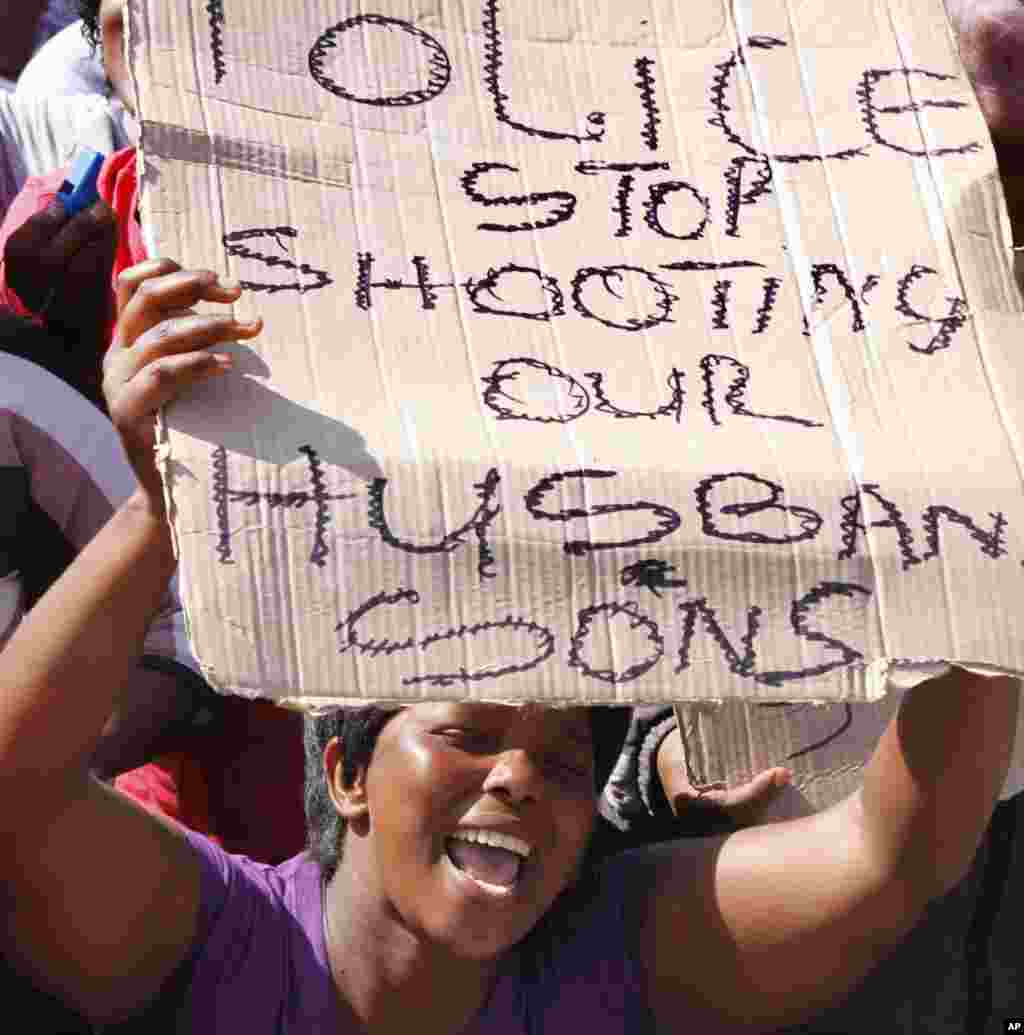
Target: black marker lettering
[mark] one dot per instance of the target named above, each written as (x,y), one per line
(624,190)
(871,281)
(478,523)
(740,665)
(948,324)
(764,313)
(992,543)
(492,81)
(736,196)
(621,207)
(320,501)
(561,211)
(488,286)
(651,573)
(720,305)
(636,620)
(668,519)
(695,266)
(721,83)
(810,521)
(721,289)
(844,724)
(736,393)
(673,408)
(652,209)
(563,397)
(645,84)
(851,524)
(607,275)
(870,110)
(798,617)
(439,69)
(424,285)
(224,495)
(220,499)
(316,279)
(215,9)
(819,270)
(543,642)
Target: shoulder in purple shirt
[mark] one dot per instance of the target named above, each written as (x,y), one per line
(260,962)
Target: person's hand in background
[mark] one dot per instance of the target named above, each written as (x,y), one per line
(60,268)
(745,805)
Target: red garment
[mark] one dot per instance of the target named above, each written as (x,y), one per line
(172,787)
(239,782)
(117,186)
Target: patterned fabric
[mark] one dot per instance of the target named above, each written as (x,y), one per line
(633,794)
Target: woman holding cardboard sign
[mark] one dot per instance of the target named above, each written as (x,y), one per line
(449,888)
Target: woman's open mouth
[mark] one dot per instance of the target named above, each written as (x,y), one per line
(494,861)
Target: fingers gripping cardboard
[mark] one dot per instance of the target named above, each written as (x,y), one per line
(669,353)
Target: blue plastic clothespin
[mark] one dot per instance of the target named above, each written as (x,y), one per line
(78,191)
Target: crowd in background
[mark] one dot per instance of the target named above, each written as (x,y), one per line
(229,769)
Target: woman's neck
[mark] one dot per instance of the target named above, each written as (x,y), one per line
(390,979)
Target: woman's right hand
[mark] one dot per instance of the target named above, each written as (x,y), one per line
(160,349)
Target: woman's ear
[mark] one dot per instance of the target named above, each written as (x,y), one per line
(349,799)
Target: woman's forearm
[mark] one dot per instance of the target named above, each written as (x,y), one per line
(931,785)
(63,670)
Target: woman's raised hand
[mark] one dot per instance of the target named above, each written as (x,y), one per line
(161,348)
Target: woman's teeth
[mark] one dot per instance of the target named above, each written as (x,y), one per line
(494,861)
(496,839)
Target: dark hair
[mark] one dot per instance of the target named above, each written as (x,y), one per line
(357,729)
(89,12)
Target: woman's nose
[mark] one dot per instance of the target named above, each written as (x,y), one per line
(515,776)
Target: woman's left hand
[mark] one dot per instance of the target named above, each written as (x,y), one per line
(160,349)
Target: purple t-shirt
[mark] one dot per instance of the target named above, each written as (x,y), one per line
(260,962)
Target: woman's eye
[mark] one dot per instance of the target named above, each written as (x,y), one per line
(467,739)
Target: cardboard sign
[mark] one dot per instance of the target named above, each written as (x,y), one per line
(663,352)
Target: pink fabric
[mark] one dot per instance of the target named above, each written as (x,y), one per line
(37,193)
